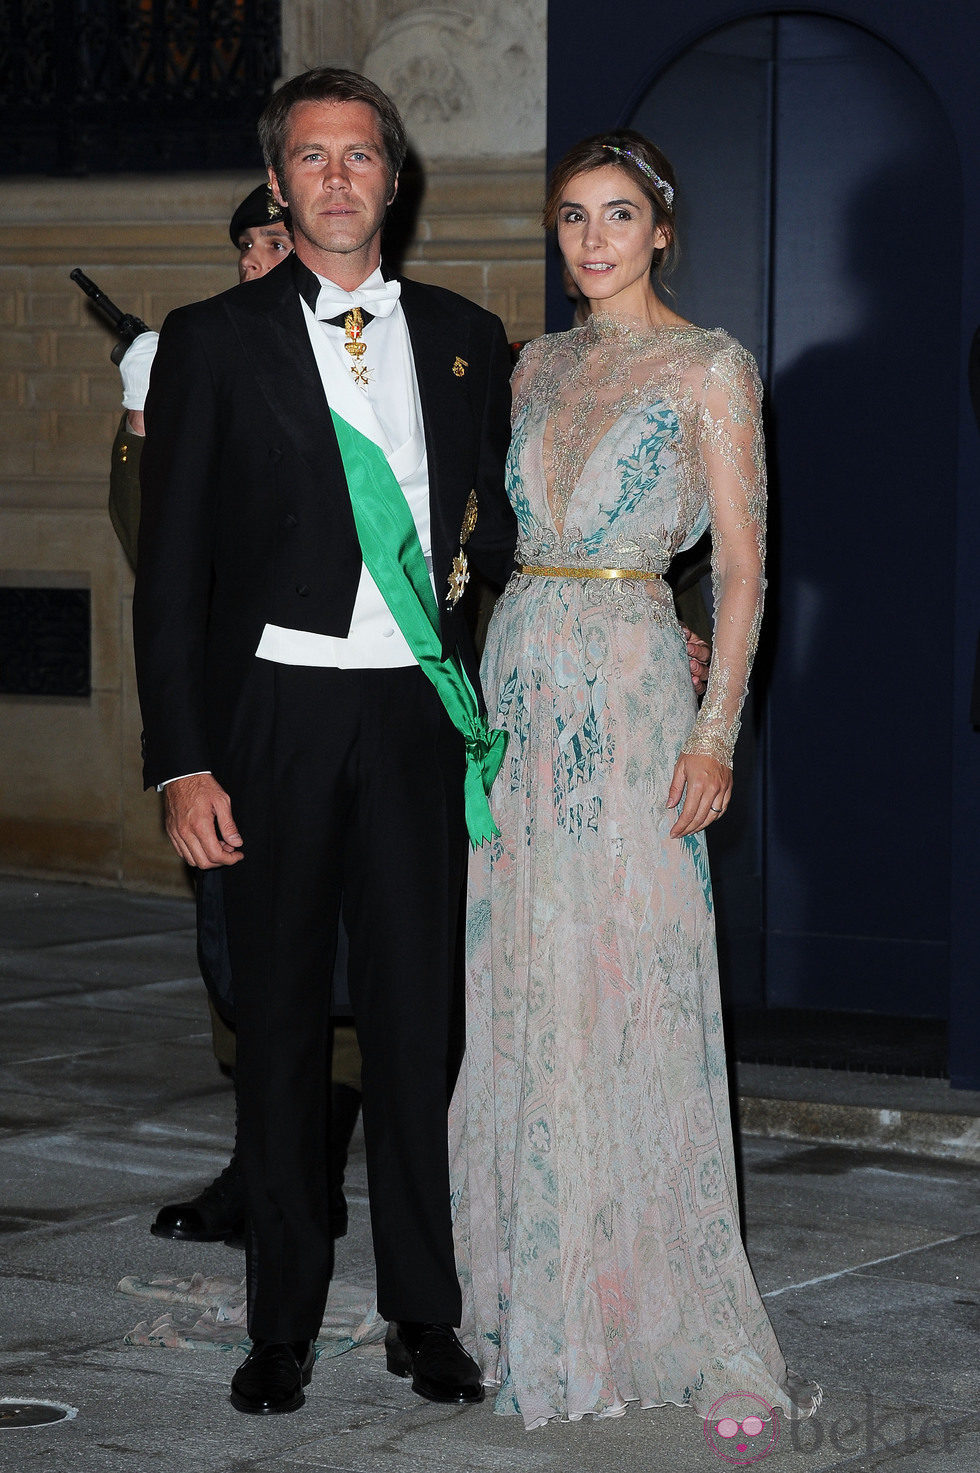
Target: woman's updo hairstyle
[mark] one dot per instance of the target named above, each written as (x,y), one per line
(650,170)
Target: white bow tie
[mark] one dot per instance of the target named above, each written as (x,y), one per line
(380,301)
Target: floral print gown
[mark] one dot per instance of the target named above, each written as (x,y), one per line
(593,1180)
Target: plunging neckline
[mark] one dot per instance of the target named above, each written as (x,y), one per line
(559,528)
(600,324)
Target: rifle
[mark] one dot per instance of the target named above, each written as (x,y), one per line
(126,325)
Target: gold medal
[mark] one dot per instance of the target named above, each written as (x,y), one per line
(459,576)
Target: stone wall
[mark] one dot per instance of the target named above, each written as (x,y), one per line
(70,790)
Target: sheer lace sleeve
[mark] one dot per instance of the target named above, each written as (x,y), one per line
(733,458)
(525,372)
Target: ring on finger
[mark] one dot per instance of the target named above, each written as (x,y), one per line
(714,809)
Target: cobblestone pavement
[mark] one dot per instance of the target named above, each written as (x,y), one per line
(111,1104)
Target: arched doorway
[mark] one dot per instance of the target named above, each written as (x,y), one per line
(822,225)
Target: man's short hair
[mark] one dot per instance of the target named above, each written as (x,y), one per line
(329,84)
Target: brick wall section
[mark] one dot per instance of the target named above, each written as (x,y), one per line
(70,803)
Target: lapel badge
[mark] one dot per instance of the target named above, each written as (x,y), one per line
(460,366)
(459,573)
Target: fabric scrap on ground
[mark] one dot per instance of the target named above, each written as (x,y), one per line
(211,1312)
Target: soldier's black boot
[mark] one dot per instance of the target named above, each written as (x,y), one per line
(217,1214)
(345,1104)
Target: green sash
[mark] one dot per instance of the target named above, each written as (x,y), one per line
(393,556)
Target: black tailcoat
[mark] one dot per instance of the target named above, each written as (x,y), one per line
(246,518)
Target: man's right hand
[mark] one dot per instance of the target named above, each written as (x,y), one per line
(199,822)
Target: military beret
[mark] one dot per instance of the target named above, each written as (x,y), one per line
(257,208)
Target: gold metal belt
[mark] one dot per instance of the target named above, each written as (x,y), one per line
(538,571)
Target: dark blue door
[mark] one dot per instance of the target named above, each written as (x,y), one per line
(822,225)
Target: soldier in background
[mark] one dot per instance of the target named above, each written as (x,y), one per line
(217,1214)
(259,234)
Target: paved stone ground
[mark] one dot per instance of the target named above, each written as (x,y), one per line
(110,1104)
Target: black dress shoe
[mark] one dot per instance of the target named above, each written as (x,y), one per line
(441,1370)
(214,1215)
(271,1377)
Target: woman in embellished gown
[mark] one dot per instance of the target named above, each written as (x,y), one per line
(594,1186)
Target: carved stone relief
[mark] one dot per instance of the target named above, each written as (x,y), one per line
(468,76)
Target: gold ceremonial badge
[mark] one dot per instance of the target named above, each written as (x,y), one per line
(460,367)
(469,520)
(459,576)
(353,327)
(459,573)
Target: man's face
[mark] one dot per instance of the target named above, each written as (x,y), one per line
(260,248)
(335,179)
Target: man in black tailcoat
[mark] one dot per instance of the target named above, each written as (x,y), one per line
(300,744)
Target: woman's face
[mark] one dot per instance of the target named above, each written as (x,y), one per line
(607,237)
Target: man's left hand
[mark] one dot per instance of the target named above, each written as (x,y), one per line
(699,657)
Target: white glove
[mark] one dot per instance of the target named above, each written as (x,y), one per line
(135,369)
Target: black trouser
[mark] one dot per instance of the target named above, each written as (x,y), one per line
(344,783)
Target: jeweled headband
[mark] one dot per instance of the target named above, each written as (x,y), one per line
(667,190)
